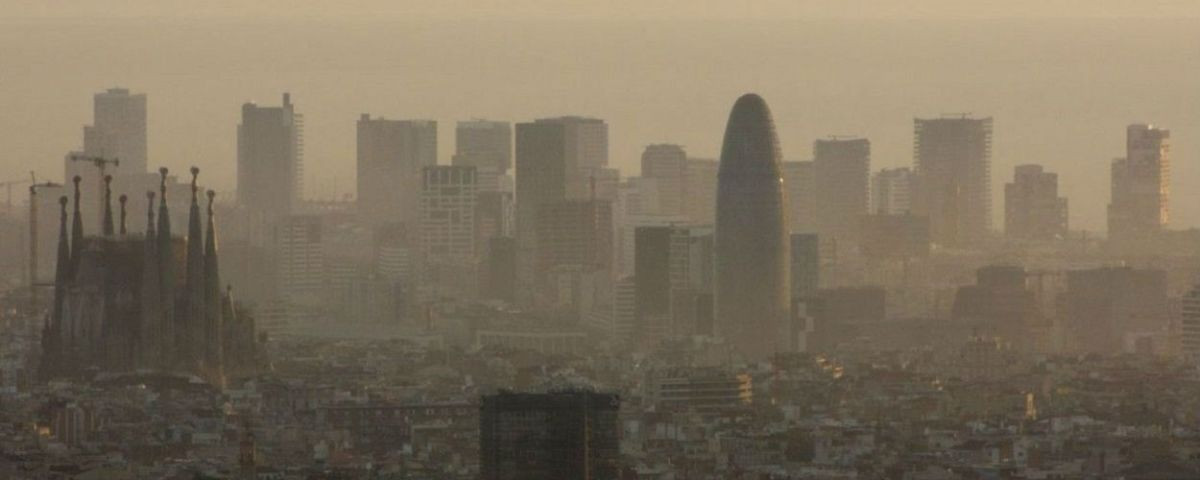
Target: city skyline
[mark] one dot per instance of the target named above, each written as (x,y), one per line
(701,240)
(202,137)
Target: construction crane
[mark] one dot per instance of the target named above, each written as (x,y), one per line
(33,237)
(101,163)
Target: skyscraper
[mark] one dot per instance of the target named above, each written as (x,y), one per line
(483,144)
(843,170)
(1140,184)
(568,434)
(448,200)
(118,130)
(1032,208)
(805,266)
(556,159)
(701,184)
(953,167)
(752,296)
(542,171)
(270,175)
(667,166)
(585,151)
(800,185)
(298,243)
(891,191)
(391,154)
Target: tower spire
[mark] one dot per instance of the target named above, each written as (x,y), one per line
(76,227)
(51,335)
(214,353)
(122,201)
(108,214)
(194,325)
(166,275)
(150,350)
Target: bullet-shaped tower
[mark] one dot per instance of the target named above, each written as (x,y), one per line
(752,298)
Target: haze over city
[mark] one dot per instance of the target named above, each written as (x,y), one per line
(1058,79)
(621,240)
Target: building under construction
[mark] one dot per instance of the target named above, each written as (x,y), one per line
(148,302)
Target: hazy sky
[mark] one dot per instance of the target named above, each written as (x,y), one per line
(610,9)
(1061,90)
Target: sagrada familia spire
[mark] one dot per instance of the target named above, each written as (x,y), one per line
(116,308)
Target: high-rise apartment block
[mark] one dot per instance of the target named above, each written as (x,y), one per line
(1032,208)
(891,191)
(1141,184)
(843,169)
(391,154)
(953,158)
(270,171)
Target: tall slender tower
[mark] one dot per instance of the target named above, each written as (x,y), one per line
(166,276)
(214,354)
(193,326)
(151,346)
(752,296)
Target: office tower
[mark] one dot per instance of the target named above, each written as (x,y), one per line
(270,175)
(541,171)
(953,170)
(1191,325)
(587,140)
(1140,184)
(575,233)
(805,266)
(391,154)
(556,159)
(1103,306)
(301,263)
(500,270)
(585,154)
(448,199)
(564,434)
(493,217)
(700,182)
(1032,208)
(752,296)
(448,258)
(842,167)
(483,144)
(118,130)
(800,183)
(652,280)
(667,166)
(998,304)
(891,191)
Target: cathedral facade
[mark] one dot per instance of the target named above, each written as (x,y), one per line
(152,302)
